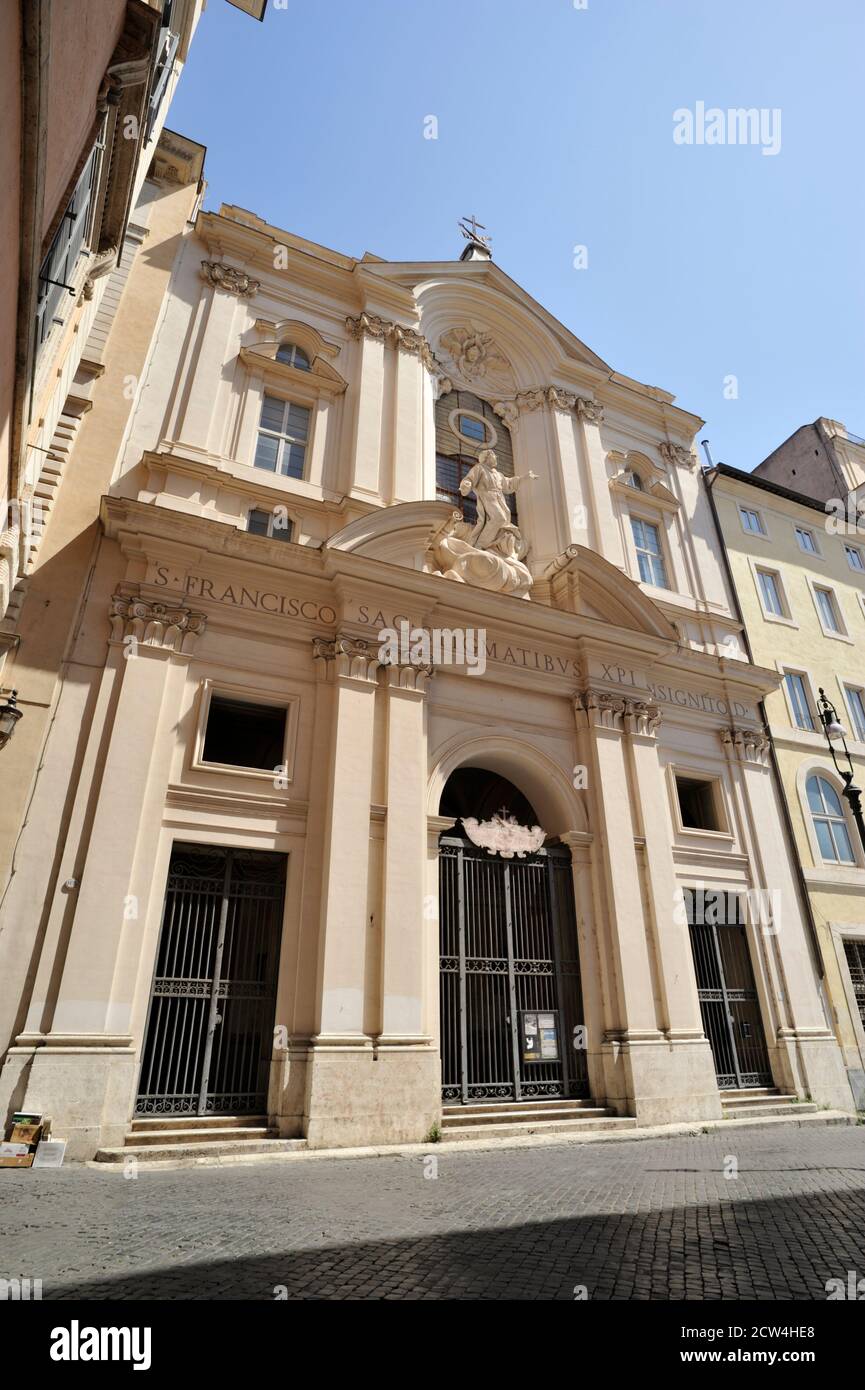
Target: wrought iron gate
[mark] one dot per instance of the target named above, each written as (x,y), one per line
(855,953)
(727,992)
(508,943)
(209,1037)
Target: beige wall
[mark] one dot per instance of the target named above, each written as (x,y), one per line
(798,642)
(83,35)
(10,167)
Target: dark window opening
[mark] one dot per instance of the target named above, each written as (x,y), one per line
(697,804)
(241,734)
(264,523)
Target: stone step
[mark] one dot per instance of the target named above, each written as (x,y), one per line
(766,1102)
(524,1115)
(738,1112)
(506,1106)
(148,1137)
(753,1090)
(186,1122)
(544,1128)
(227,1148)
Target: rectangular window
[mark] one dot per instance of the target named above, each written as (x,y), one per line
(854,558)
(650,558)
(242,734)
(698,804)
(771,593)
(828,610)
(272,524)
(806,540)
(53,300)
(796,689)
(752,521)
(856,701)
(283,435)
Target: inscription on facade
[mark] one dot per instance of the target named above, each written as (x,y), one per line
(260,600)
(672,694)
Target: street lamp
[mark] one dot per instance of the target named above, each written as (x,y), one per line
(9,716)
(836,733)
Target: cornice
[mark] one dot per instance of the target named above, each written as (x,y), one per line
(321,375)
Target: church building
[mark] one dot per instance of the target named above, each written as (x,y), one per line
(407,760)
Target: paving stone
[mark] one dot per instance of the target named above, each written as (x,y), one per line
(655,1220)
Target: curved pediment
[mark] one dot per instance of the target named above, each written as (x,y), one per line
(399,535)
(583,581)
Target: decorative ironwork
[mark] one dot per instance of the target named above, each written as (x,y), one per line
(209,1037)
(855,953)
(508,943)
(728,996)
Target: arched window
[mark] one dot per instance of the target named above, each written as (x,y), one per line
(633,479)
(830,825)
(465,425)
(293,355)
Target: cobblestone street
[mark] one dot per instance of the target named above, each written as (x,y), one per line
(642,1220)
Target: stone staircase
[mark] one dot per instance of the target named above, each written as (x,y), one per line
(208,1137)
(763,1102)
(509,1119)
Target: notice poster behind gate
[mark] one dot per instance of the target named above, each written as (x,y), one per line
(539,1034)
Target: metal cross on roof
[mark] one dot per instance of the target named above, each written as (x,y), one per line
(471,229)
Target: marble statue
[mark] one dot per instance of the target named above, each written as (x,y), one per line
(488,555)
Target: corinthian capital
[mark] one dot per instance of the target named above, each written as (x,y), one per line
(589,410)
(229,277)
(601,708)
(676,455)
(642,718)
(351,656)
(747,745)
(172,627)
(396,335)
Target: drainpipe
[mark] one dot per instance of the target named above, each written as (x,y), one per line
(709,476)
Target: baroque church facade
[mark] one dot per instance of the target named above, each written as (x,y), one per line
(405,734)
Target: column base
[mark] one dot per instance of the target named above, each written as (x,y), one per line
(661,1080)
(85,1085)
(360,1093)
(810,1062)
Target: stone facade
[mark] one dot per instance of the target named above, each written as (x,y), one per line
(601,687)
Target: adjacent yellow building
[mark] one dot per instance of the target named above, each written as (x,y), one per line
(799,573)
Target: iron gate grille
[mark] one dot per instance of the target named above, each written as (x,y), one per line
(728,996)
(855,953)
(508,937)
(209,1037)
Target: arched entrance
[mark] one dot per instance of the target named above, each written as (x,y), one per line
(509,972)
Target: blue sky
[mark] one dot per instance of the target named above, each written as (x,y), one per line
(555,126)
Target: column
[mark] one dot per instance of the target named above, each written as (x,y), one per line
(680,1005)
(199,419)
(352,666)
(83,1069)
(634,1008)
(403,946)
(144,636)
(607,536)
(365,467)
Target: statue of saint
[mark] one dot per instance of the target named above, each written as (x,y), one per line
(488,555)
(490,488)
